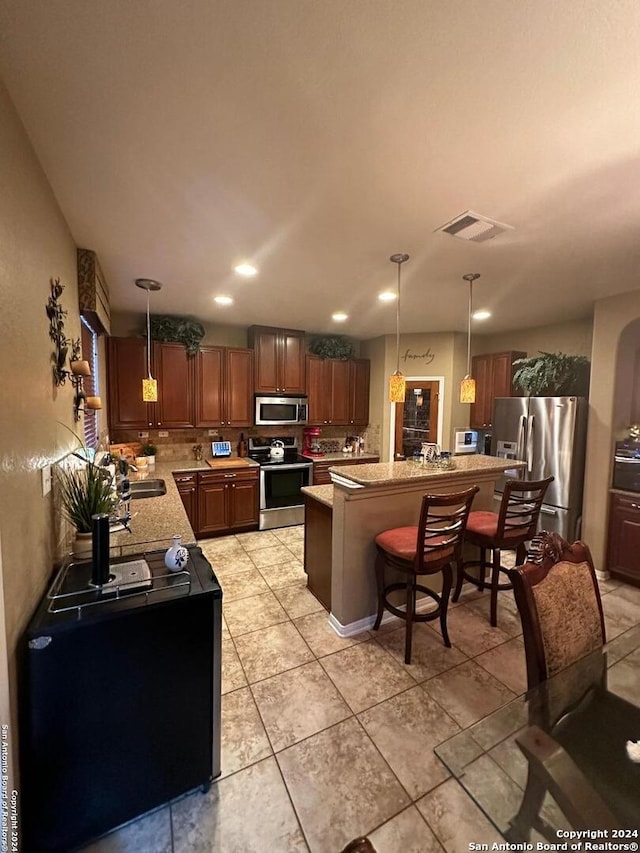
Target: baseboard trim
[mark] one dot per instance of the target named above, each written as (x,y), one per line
(353,628)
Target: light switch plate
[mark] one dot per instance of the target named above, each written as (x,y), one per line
(46,480)
(163,434)
(143,435)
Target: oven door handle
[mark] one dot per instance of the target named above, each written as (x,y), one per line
(625,460)
(295,466)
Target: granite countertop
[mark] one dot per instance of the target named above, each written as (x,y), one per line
(345,457)
(322,494)
(155,520)
(388,473)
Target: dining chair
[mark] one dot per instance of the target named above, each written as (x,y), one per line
(515,524)
(429,548)
(575,745)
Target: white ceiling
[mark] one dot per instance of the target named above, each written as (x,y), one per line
(317,137)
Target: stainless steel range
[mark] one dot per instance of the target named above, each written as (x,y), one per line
(283,472)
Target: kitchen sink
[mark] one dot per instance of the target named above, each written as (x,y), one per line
(147,489)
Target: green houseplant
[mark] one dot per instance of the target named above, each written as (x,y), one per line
(178,329)
(84,492)
(149,450)
(553,375)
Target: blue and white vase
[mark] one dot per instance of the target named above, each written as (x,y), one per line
(176,557)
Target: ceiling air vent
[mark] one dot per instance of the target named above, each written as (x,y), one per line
(471,226)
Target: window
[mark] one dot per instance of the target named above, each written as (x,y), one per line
(89,342)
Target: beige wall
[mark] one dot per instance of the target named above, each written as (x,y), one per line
(616,336)
(572,338)
(36,246)
(421,356)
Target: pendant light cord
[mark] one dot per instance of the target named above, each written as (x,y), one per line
(148,340)
(469,328)
(398,324)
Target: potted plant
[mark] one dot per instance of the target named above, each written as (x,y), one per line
(553,375)
(84,492)
(149,450)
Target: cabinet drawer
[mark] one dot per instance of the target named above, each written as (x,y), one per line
(185,480)
(228,474)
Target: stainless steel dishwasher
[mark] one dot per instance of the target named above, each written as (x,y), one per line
(120,697)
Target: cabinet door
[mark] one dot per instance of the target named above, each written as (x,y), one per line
(243,498)
(318,390)
(213,507)
(503,371)
(482,372)
(126,368)
(239,387)
(359,391)
(175,371)
(624,539)
(339,372)
(209,386)
(267,357)
(292,363)
(189,498)
(321,476)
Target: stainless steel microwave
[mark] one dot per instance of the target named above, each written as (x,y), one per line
(281,411)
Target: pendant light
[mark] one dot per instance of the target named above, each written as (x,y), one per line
(468,384)
(397,382)
(149,385)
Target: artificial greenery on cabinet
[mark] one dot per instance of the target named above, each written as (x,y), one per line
(177,330)
(332,346)
(553,375)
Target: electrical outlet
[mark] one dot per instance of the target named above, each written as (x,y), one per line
(163,434)
(143,435)
(213,433)
(46,480)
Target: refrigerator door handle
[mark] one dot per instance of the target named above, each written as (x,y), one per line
(521,436)
(529,460)
(546,511)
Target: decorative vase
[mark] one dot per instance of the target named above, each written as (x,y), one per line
(151,460)
(176,557)
(82,546)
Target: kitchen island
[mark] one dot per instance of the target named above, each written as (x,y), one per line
(368,499)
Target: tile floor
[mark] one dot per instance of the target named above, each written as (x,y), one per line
(325,739)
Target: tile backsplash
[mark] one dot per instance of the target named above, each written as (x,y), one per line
(180,442)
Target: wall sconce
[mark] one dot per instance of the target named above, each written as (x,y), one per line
(79,368)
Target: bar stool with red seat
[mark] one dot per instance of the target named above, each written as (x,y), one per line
(427,549)
(510,528)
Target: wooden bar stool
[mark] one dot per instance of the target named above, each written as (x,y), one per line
(429,548)
(510,528)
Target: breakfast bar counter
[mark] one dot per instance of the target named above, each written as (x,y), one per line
(368,499)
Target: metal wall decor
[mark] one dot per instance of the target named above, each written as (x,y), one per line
(78,368)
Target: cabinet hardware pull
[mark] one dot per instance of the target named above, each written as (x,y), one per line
(635,506)
(229,475)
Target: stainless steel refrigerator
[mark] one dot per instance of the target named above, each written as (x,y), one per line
(550,435)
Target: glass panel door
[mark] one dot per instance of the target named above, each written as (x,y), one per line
(416,418)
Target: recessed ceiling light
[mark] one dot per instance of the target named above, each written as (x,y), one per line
(223,300)
(387,296)
(481,315)
(339,316)
(246,270)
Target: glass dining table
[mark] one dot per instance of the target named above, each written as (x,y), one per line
(492,768)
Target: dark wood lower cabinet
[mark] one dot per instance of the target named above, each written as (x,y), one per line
(218,502)
(188,490)
(623,553)
(227,501)
(318,518)
(321,476)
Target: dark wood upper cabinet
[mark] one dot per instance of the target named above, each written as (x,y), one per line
(224,387)
(335,388)
(210,389)
(126,368)
(279,360)
(174,370)
(359,379)
(493,373)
